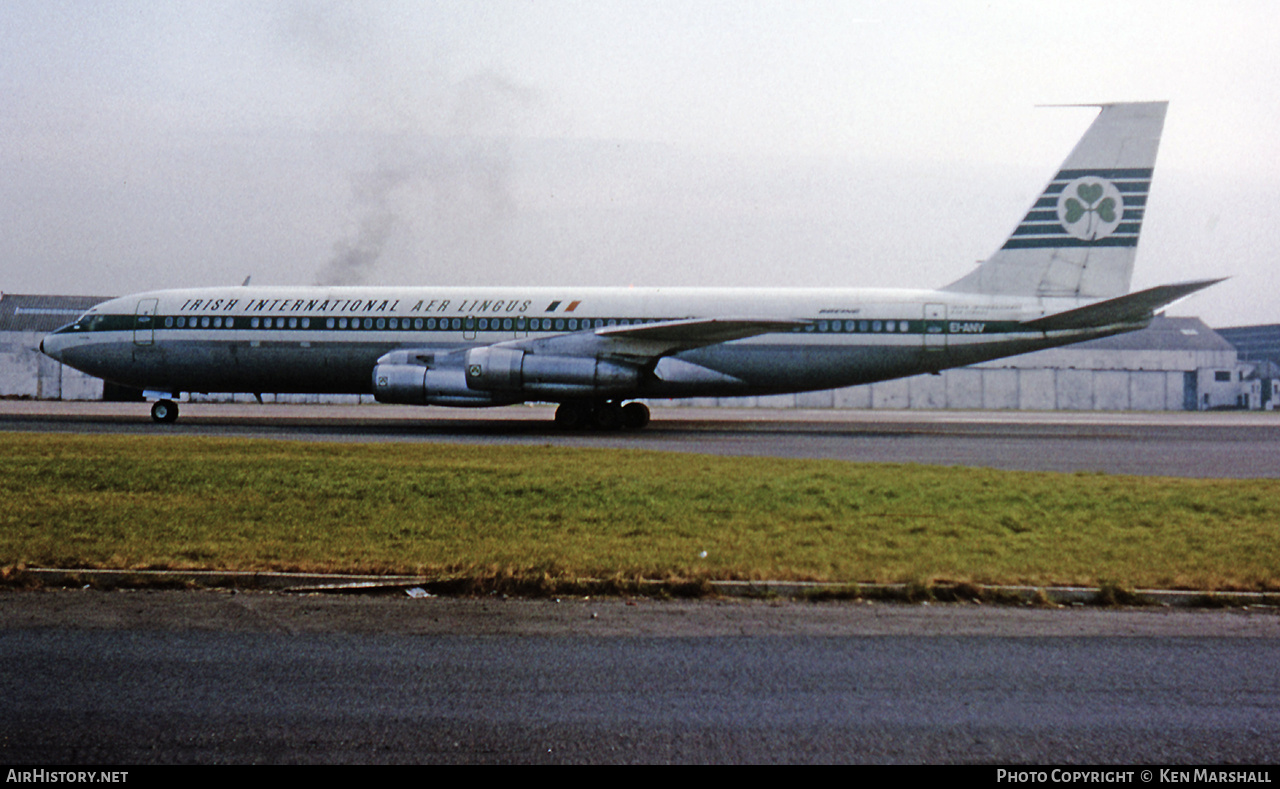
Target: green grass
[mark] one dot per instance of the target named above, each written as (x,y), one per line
(169,502)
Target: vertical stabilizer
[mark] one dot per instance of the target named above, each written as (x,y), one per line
(1079,239)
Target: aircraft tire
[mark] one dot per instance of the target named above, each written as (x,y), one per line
(607,416)
(164,411)
(572,416)
(635,416)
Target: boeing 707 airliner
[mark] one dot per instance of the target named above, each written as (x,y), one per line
(1061,277)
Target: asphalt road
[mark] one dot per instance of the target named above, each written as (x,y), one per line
(211,677)
(1239,445)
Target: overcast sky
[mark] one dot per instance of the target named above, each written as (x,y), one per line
(172,144)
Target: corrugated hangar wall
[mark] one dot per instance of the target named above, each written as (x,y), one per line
(977,388)
(1175,364)
(24,371)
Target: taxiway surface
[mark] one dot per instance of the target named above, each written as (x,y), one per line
(1217,444)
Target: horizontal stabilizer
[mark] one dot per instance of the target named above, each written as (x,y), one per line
(1132,308)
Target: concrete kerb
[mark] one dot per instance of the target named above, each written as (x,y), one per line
(316,583)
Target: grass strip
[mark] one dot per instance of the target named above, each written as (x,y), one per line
(134,502)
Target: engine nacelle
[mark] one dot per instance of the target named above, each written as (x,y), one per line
(404,377)
(500,370)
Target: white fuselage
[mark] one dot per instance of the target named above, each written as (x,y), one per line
(329,340)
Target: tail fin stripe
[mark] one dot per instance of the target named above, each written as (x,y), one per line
(1130,173)
(1132,213)
(1067,241)
(1138,186)
(1049,199)
(1129,223)
(1055,230)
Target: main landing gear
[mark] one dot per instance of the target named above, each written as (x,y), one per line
(164,411)
(602,415)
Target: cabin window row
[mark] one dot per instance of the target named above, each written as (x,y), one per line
(483,324)
(403,324)
(860,326)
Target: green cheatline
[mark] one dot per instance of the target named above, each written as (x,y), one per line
(188,503)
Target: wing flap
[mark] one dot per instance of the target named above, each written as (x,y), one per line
(649,341)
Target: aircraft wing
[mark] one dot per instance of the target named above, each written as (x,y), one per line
(1130,308)
(649,341)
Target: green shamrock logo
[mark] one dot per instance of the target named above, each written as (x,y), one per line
(1090,209)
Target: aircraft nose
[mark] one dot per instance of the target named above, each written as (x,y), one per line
(50,349)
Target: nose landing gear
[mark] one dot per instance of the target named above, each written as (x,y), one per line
(164,411)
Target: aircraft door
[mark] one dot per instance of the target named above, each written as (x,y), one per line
(144,322)
(935,326)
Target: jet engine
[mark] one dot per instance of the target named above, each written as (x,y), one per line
(497,376)
(412,378)
(509,370)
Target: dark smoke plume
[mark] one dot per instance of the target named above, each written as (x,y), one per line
(356,256)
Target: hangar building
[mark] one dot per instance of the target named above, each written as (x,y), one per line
(1255,343)
(24,371)
(1175,364)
